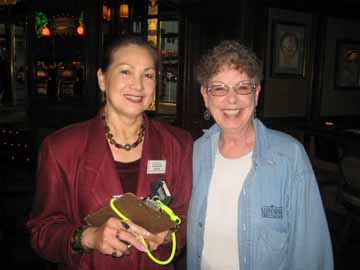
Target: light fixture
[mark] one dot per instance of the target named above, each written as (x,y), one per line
(45,31)
(124,11)
(7,2)
(153,7)
(80,30)
(106,13)
(41,22)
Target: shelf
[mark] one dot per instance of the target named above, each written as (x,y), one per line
(165,34)
(169,62)
(169,35)
(168,59)
(166,108)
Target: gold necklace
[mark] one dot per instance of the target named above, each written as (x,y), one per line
(127,147)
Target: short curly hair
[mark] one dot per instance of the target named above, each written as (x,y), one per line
(229,54)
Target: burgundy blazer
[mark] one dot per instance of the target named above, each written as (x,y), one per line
(76,175)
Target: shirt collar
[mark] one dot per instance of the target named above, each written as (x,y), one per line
(261,152)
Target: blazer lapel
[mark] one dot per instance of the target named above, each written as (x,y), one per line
(99,169)
(152,150)
(99,165)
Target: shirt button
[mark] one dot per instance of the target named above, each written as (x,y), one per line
(200,224)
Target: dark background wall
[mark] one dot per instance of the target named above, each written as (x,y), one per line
(334,100)
(286,100)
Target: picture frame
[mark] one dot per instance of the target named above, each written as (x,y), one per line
(347,65)
(288,49)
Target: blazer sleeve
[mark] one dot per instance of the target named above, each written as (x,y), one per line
(50,223)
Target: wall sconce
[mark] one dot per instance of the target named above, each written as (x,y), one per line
(106,13)
(45,31)
(80,30)
(153,7)
(7,2)
(124,11)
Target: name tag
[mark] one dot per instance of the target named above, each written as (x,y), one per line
(156,167)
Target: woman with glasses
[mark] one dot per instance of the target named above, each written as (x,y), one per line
(255,201)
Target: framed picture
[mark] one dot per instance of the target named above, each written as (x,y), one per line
(288,49)
(347,65)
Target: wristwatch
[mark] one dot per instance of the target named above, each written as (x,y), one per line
(76,245)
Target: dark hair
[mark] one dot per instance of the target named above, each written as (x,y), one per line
(229,53)
(119,42)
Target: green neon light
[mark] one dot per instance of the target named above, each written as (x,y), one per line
(40,21)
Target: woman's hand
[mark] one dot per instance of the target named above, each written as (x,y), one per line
(156,240)
(114,237)
(153,240)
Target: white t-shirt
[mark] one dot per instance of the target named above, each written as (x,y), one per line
(221,251)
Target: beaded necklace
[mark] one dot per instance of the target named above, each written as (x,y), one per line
(126,147)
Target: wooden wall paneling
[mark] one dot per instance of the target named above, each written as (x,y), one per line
(180,94)
(260,48)
(30,57)
(203,30)
(317,74)
(288,95)
(192,105)
(93,45)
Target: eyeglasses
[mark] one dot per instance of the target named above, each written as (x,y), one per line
(219,89)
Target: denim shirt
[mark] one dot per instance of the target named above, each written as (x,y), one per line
(281,220)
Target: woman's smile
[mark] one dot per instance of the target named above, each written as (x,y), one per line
(134,98)
(231,112)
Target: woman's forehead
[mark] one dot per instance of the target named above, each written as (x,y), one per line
(230,69)
(134,55)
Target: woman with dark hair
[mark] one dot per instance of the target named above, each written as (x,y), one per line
(121,150)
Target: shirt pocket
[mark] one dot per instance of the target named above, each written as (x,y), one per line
(270,249)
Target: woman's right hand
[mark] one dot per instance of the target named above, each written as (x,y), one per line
(112,238)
